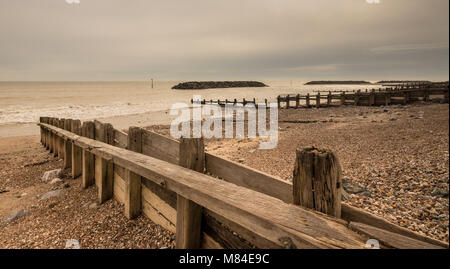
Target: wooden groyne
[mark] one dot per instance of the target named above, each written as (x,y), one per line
(210,202)
(230,102)
(399,94)
(381,97)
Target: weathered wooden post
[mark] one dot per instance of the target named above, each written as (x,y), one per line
(61,140)
(189,214)
(77,153)
(46,134)
(279,101)
(88,174)
(329,99)
(132,180)
(317,182)
(297,101)
(67,145)
(308,101)
(372,98)
(387,98)
(50,136)
(288,101)
(318,100)
(104,168)
(55,139)
(342,98)
(357,96)
(41,120)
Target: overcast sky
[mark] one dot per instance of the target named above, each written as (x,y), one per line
(227,39)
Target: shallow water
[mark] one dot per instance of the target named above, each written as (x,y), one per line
(25,102)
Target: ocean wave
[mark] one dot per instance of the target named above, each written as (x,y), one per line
(31,115)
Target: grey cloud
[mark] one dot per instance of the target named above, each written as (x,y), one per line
(202,39)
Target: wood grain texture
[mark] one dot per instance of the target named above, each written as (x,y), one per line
(104,178)
(119,184)
(189,214)
(158,210)
(353,214)
(317,182)
(389,239)
(77,153)
(88,159)
(132,195)
(120,139)
(67,145)
(248,177)
(160,147)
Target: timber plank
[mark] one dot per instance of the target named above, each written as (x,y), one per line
(389,239)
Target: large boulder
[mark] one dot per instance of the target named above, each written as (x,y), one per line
(50,175)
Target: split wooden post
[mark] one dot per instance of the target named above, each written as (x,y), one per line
(77,153)
(88,174)
(189,214)
(132,180)
(318,100)
(105,168)
(67,145)
(317,182)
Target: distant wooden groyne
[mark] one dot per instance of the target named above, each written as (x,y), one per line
(403,94)
(399,94)
(229,102)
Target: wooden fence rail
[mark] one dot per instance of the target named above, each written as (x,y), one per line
(247,208)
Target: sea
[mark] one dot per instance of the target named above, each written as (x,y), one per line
(25,102)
